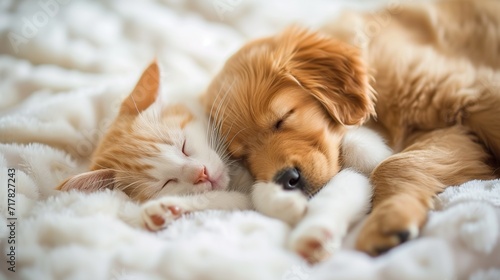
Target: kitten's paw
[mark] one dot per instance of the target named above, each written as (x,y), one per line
(390,224)
(159,214)
(315,241)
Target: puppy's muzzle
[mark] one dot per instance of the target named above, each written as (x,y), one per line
(290,179)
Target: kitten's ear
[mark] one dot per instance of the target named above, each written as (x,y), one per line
(89,181)
(144,93)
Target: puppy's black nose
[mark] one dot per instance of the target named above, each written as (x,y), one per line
(290,179)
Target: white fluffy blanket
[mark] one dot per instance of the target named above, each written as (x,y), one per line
(65,65)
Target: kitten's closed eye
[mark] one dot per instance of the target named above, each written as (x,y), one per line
(184,148)
(169,181)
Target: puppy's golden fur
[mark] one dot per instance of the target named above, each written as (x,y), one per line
(428,80)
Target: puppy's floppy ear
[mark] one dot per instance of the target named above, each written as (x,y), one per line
(89,181)
(333,72)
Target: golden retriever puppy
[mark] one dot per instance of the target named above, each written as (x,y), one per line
(426,79)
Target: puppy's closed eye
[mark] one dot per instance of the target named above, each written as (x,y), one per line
(278,125)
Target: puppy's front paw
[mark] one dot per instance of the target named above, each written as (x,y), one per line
(391,223)
(290,207)
(158,214)
(270,199)
(314,243)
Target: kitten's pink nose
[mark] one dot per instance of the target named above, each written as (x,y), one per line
(202,176)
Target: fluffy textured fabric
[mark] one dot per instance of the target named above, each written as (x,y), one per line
(66,65)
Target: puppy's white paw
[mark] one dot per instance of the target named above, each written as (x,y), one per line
(158,214)
(290,207)
(315,241)
(270,199)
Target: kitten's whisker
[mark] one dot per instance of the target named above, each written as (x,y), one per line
(132,184)
(220,113)
(210,114)
(122,174)
(209,125)
(221,147)
(232,139)
(230,161)
(150,192)
(223,141)
(98,182)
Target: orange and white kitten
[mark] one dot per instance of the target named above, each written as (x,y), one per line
(162,154)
